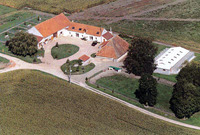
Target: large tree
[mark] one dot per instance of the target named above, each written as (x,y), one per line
(140,58)
(185,99)
(23,44)
(147,91)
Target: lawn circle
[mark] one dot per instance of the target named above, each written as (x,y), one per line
(64,51)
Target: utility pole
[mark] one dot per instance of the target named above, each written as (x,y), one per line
(69,76)
(70,73)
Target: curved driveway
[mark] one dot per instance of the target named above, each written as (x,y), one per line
(52,66)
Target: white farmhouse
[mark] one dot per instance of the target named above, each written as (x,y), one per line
(171,60)
(112,46)
(60,25)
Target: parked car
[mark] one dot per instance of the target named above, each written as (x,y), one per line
(94,43)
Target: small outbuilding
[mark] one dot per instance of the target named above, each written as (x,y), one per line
(85,59)
(115,68)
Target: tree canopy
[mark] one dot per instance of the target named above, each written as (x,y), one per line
(140,58)
(185,99)
(147,92)
(23,44)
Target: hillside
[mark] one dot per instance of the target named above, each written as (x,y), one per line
(56,6)
(36,103)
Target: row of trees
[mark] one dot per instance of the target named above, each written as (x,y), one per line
(140,61)
(185,100)
(23,44)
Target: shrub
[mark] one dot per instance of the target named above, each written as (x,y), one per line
(93,55)
(57,44)
(23,44)
(67,61)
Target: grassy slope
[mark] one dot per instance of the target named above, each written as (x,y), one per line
(3,60)
(188,9)
(46,105)
(5,10)
(64,51)
(54,6)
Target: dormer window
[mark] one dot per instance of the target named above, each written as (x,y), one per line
(97,32)
(73,27)
(80,28)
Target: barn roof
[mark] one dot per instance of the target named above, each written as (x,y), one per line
(107,35)
(115,48)
(83,28)
(53,25)
(84,58)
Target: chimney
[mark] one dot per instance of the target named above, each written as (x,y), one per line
(111,30)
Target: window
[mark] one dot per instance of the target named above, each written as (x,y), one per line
(164,70)
(80,28)
(97,32)
(91,38)
(73,27)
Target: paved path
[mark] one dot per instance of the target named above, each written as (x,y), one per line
(52,67)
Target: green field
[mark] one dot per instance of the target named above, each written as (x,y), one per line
(127,87)
(15,19)
(184,34)
(57,6)
(5,10)
(3,38)
(124,89)
(187,9)
(63,51)
(171,78)
(4,49)
(77,70)
(44,104)
(3,60)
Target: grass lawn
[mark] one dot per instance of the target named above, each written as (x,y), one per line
(2,36)
(3,60)
(77,70)
(17,29)
(64,50)
(5,10)
(187,9)
(171,78)
(44,104)
(4,49)
(127,87)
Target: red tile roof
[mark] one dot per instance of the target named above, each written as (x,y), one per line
(39,38)
(83,28)
(104,43)
(115,48)
(53,25)
(107,35)
(84,58)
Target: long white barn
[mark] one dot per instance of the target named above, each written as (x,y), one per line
(171,60)
(60,25)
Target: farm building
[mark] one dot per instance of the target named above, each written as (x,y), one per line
(114,49)
(60,25)
(85,59)
(171,60)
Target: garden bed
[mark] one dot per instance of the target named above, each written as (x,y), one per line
(76,68)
